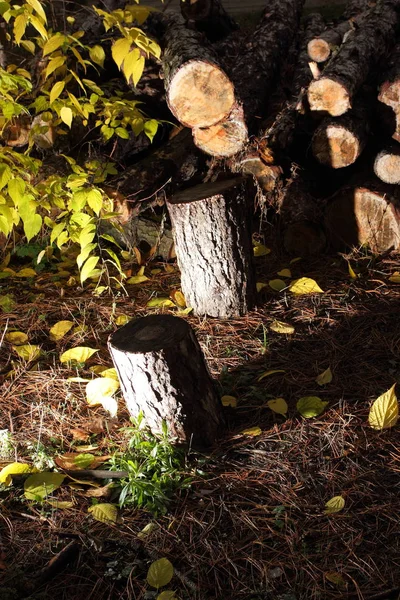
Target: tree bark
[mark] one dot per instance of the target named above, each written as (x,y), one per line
(163,373)
(213,247)
(389,91)
(334,91)
(199,93)
(366,214)
(387,165)
(208,17)
(320,48)
(337,143)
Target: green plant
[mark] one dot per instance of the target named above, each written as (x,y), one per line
(154,465)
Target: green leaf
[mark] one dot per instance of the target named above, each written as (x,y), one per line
(83,461)
(277,285)
(60,329)
(66,115)
(311,406)
(105,513)
(324,377)
(78,354)
(89,267)
(95,201)
(334,505)
(160,573)
(384,412)
(150,128)
(40,485)
(97,55)
(56,90)
(7,303)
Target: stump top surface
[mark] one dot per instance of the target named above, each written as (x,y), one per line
(205,190)
(149,334)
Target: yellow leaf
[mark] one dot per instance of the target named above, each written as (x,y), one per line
(260,286)
(66,115)
(111,373)
(122,320)
(324,377)
(61,504)
(277,284)
(133,66)
(27,272)
(155,271)
(284,273)
(98,369)
(97,55)
(27,351)
(78,380)
(137,279)
(334,505)
(305,285)
(253,431)
(268,373)
(178,298)
(60,329)
(147,529)
(229,401)
(56,90)
(53,43)
(395,278)
(40,485)
(54,64)
(110,405)
(351,272)
(14,468)
(120,50)
(88,268)
(160,302)
(79,354)
(384,412)
(100,388)
(335,578)
(260,250)
(295,260)
(310,406)
(37,6)
(105,513)
(17,338)
(278,405)
(281,327)
(167,595)
(160,573)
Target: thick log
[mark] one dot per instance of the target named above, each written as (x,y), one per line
(366,214)
(389,91)
(224,139)
(337,143)
(342,78)
(163,374)
(209,17)
(211,225)
(199,93)
(387,165)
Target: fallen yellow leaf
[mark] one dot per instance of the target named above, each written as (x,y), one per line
(305,285)
(277,284)
(268,373)
(278,405)
(281,327)
(384,412)
(229,401)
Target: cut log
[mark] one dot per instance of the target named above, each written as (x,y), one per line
(337,143)
(334,91)
(224,139)
(387,165)
(209,17)
(199,93)
(211,224)
(163,374)
(365,215)
(389,92)
(314,24)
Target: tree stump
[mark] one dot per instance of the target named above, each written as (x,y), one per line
(163,373)
(213,246)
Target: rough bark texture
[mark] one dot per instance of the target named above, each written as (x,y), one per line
(337,143)
(334,91)
(365,215)
(320,48)
(163,373)
(199,93)
(209,17)
(389,92)
(211,224)
(387,165)
(224,139)
(263,55)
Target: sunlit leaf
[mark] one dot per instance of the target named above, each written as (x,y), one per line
(14,468)
(66,115)
(325,377)
(100,388)
(97,55)
(27,272)
(105,513)
(334,505)
(268,373)
(79,354)
(110,405)
(260,250)
(112,373)
(88,268)
(278,405)
(160,302)
(122,320)
(284,273)
(384,412)
(160,573)
(305,285)
(27,351)
(252,431)
(178,298)
(16,337)
(147,529)
(281,327)
(61,504)
(78,461)
(56,90)
(229,401)
(7,303)
(136,279)
(311,406)
(277,285)
(40,485)
(395,278)
(352,274)
(60,329)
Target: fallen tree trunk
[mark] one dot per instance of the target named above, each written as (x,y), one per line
(211,224)
(337,143)
(199,93)
(209,17)
(334,91)
(387,165)
(163,374)
(226,138)
(389,91)
(366,214)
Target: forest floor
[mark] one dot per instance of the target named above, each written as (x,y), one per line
(253,526)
